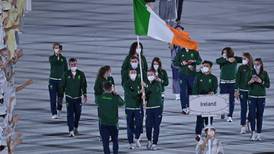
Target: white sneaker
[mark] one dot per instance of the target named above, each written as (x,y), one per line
(138,144)
(253,136)
(54,116)
(229,119)
(243,130)
(187,110)
(258,137)
(177,97)
(149,145)
(71,134)
(154,147)
(131,146)
(59,113)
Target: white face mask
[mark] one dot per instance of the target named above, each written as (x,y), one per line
(156,67)
(204,69)
(150,78)
(257,68)
(73,69)
(245,62)
(134,65)
(56,51)
(133,76)
(211,133)
(224,55)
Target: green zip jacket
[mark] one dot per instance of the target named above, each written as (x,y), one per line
(108,105)
(57,66)
(228,70)
(162,74)
(184,55)
(74,87)
(242,76)
(154,94)
(132,91)
(204,84)
(259,89)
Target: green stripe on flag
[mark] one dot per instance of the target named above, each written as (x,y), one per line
(141,17)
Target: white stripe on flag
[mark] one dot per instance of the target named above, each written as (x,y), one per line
(158,29)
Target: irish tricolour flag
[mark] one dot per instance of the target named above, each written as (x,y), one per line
(147,23)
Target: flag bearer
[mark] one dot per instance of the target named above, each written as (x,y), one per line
(132,88)
(242,87)
(74,85)
(258,82)
(228,65)
(187,60)
(154,109)
(108,104)
(58,65)
(205,84)
(127,65)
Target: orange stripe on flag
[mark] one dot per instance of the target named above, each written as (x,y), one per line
(182,39)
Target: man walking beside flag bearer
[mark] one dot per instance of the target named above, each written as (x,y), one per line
(205,84)
(74,85)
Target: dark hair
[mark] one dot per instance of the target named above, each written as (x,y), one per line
(158,60)
(249,57)
(61,47)
(102,71)
(132,70)
(208,62)
(229,52)
(262,64)
(55,44)
(107,86)
(134,57)
(72,60)
(179,26)
(133,48)
(151,70)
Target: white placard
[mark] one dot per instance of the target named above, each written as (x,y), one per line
(209,104)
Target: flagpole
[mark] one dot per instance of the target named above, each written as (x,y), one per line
(141,71)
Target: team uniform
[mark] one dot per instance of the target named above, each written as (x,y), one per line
(204,84)
(108,104)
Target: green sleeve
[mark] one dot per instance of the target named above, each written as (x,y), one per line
(266,81)
(65,65)
(84,84)
(120,101)
(239,59)
(62,84)
(221,61)
(97,87)
(125,64)
(145,67)
(177,60)
(198,58)
(50,59)
(238,78)
(124,75)
(215,84)
(165,81)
